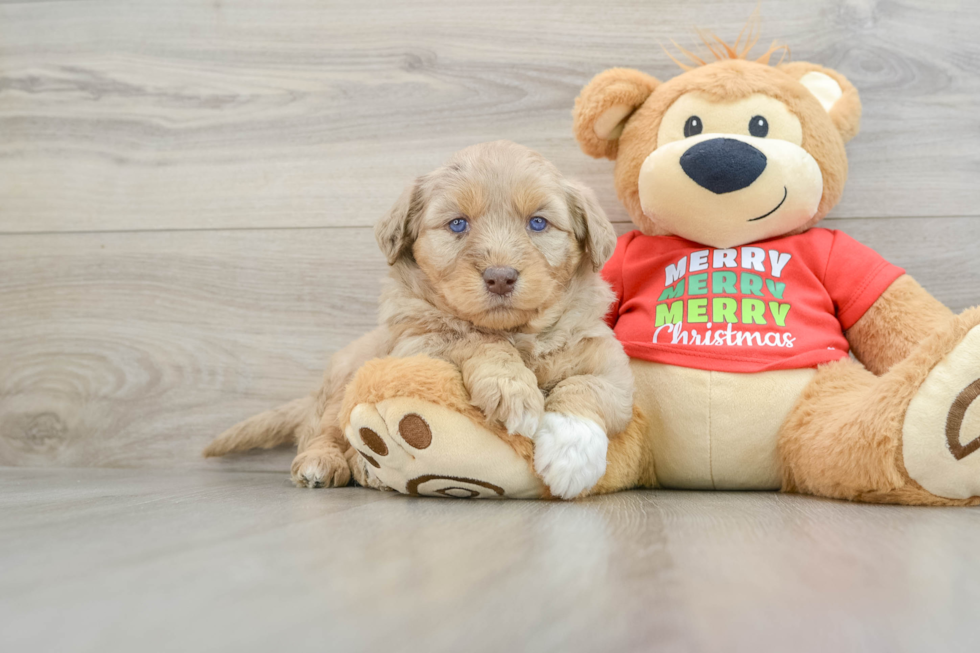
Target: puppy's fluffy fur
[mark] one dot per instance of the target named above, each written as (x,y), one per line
(540,359)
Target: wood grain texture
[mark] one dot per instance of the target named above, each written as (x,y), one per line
(134,349)
(112,560)
(156,339)
(118,115)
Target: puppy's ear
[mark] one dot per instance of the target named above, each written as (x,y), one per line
(604,106)
(837,95)
(394,231)
(590,224)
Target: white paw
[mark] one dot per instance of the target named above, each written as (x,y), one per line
(569,453)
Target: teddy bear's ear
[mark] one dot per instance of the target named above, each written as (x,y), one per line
(837,95)
(604,105)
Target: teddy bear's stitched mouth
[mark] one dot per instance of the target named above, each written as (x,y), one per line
(766,215)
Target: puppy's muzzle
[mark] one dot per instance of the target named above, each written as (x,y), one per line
(723,165)
(500,281)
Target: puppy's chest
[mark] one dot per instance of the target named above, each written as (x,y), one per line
(544,357)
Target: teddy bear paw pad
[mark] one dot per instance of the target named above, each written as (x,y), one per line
(941,432)
(423,449)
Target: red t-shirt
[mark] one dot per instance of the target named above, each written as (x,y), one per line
(777,304)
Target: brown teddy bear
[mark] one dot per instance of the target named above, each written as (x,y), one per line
(737,313)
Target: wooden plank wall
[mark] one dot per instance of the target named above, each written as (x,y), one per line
(186,187)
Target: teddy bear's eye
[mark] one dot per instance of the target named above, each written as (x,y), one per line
(758,126)
(692,127)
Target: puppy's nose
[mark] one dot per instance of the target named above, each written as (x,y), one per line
(723,165)
(500,281)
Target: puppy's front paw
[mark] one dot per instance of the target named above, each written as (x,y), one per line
(319,468)
(516,402)
(569,453)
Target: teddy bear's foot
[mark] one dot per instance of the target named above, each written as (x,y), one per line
(941,432)
(421,448)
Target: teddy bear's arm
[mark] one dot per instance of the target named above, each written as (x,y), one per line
(494,374)
(901,318)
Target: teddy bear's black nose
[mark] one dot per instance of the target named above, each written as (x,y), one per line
(723,165)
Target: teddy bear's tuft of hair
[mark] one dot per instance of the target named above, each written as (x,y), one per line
(721,50)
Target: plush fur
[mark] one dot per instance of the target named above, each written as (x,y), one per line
(422,377)
(629,460)
(722,82)
(894,326)
(844,436)
(542,347)
(423,381)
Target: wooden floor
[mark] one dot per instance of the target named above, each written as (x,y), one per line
(122,560)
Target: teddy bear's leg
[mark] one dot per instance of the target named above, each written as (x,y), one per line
(629,459)
(909,436)
(412,429)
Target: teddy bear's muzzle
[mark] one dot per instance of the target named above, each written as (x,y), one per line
(726,189)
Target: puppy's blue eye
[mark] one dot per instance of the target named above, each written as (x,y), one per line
(458,225)
(537,224)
